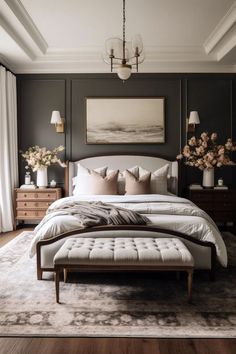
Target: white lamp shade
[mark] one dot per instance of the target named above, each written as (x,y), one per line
(56,117)
(124,72)
(194,118)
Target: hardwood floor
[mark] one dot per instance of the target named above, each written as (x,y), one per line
(15,345)
(8,236)
(115,346)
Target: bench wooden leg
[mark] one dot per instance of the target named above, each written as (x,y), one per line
(65,275)
(57,276)
(39,274)
(190,284)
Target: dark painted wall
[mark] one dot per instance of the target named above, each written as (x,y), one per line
(212,95)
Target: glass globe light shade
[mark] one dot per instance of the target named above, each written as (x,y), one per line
(124,71)
(137,43)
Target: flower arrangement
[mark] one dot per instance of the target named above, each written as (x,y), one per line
(38,157)
(205,153)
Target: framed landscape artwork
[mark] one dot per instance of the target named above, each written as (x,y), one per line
(125,120)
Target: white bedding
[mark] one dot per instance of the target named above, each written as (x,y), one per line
(166,211)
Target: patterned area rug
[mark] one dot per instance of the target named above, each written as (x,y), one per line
(138,305)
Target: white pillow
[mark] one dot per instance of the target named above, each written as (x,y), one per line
(121,178)
(83,179)
(158,179)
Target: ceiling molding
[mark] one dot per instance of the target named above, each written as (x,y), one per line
(223,27)
(45,59)
(152,53)
(26,21)
(16,37)
(100,67)
(227,46)
(6,63)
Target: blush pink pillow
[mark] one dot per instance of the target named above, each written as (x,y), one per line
(104,185)
(134,185)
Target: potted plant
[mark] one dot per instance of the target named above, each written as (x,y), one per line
(205,154)
(39,159)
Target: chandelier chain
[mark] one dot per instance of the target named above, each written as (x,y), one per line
(124,29)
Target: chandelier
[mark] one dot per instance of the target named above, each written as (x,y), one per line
(122,55)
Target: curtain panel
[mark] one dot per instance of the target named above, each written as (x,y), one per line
(8,148)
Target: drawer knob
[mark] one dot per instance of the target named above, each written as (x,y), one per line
(48,195)
(35,204)
(25,204)
(48,204)
(25,213)
(25,195)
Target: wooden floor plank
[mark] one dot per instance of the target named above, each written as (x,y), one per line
(6,237)
(116,346)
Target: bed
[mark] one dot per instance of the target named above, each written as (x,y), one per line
(170,215)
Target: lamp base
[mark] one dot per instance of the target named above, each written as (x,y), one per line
(60,127)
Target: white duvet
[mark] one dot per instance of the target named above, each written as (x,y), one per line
(166,211)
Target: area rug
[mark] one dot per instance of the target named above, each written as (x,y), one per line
(111,305)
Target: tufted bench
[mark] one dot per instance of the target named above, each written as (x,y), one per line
(129,254)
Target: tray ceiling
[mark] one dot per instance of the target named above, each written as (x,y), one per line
(42,36)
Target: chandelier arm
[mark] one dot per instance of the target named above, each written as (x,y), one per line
(117,58)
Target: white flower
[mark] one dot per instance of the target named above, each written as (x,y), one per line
(37,157)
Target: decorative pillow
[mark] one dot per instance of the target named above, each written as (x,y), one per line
(158,179)
(121,178)
(83,179)
(134,185)
(104,185)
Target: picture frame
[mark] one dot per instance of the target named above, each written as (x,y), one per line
(125,120)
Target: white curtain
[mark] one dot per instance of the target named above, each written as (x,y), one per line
(8,148)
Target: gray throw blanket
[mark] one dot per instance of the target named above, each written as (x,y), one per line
(97,213)
(72,215)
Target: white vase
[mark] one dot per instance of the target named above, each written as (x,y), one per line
(208,178)
(42,177)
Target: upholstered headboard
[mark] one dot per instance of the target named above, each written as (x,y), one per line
(122,162)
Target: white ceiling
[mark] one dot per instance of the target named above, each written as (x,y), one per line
(46,36)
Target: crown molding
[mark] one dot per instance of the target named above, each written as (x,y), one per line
(227,46)
(222,28)
(100,67)
(45,59)
(26,21)
(16,37)
(6,63)
(152,53)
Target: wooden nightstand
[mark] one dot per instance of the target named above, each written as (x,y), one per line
(32,204)
(219,204)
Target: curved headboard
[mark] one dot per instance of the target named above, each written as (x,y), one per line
(123,162)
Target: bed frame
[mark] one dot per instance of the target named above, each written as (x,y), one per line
(204,253)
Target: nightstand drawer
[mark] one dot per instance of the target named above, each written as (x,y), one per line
(33,205)
(36,195)
(224,216)
(223,206)
(199,197)
(23,214)
(219,204)
(223,196)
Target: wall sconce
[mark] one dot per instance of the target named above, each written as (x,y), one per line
(192,121)
(58,121)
